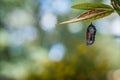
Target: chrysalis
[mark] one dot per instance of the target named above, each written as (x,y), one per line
(90,35)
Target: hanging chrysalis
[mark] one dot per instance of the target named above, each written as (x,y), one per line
(90,35)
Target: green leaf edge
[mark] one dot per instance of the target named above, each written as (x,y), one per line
(90,6)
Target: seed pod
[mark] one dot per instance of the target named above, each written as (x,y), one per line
(90,35)
(90,16)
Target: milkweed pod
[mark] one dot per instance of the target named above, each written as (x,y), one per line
(90,34)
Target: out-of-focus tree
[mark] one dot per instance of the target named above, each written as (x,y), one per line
(31,51)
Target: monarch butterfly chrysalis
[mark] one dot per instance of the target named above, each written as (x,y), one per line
(90,35)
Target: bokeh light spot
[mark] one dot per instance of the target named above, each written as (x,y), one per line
(116,26)
(57,52)
(48,22)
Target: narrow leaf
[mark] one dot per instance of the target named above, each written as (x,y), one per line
(90,6)
(90,16)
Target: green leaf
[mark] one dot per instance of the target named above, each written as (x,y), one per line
(116,5)
(90,6)
(90,16)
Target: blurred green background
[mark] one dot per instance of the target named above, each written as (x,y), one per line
(33,47)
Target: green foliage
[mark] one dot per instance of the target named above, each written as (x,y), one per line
(116,5)
(7,6)
(91,6)
(98,11)
(79,65)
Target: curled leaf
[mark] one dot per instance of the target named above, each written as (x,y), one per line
(89,16)
(116,5)
(90,6)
